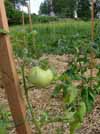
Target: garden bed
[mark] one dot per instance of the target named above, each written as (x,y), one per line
(42,101)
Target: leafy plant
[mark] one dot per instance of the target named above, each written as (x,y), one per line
(4,120)
(79,99)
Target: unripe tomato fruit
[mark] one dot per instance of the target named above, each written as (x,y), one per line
(40,77)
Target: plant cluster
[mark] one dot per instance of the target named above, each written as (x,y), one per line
(79,98)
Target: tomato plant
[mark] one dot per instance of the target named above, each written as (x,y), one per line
(79,99)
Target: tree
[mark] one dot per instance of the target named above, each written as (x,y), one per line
(9,9)
(13,2)
(83,10)
(44,8)
(65,8)
(61,8)
(97,8)
(51,9)
(71,8)
(14,15)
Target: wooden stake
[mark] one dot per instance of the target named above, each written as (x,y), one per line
(92,19)
(10,78)
(29,14)
(23,18)
(92,39)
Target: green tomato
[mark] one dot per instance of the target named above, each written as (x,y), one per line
(40,77)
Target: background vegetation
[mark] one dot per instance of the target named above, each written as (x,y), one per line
(57,37)
(51,10)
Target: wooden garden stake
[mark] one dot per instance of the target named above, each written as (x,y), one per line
(29,14)
(92,19)
(92,39)
(10,78)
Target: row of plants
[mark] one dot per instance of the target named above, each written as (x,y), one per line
(56,37)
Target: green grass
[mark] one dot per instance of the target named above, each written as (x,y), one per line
(56,37)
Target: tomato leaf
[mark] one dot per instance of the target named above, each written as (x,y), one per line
(88,98)
(2,127)
(74,125)
(57,90)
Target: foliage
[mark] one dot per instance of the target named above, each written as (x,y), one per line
(79,99)
(14,2)
(43,19)
(44,8)
(61,37)
(62,8)
(59,40)
(4,120)
(15,16)
(97,8)
(83,10)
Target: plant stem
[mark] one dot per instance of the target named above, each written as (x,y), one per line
(27,99)
(33,118)
(57,119)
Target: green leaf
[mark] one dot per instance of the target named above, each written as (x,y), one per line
(57,90)
(88,98)
(44,118)
(2,127)
(98,89)
(71,95)
(80,113)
